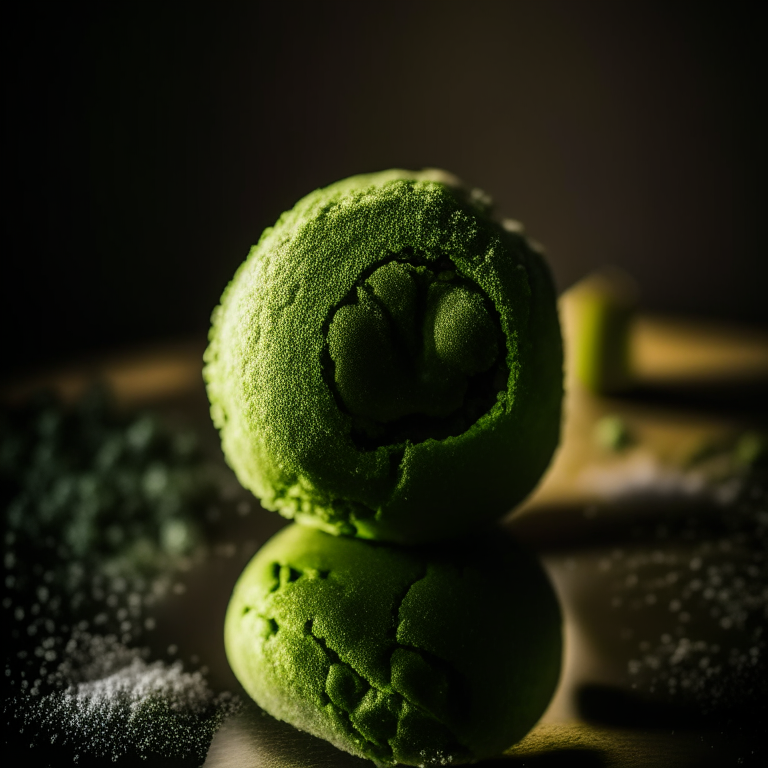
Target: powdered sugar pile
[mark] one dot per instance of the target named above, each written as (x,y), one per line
(108,701)
(102,514)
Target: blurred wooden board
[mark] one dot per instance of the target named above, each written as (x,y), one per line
(675,351)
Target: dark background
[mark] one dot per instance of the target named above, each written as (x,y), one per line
(147,147)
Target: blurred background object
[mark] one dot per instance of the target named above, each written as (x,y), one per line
(147,147)
(600,311)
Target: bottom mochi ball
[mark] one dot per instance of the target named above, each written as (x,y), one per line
(431,656)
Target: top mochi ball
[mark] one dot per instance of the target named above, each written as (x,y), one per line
(387,362)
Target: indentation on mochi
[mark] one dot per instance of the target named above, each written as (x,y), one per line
(415,351)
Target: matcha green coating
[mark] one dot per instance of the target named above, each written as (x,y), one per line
(421,656)
(387,362)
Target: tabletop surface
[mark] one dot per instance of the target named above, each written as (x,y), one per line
(655,545)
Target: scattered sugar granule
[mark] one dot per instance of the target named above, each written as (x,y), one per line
(108,701)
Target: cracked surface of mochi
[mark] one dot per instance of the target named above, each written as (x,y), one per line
(387,362)
(419,656)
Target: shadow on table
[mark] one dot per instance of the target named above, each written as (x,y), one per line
(619,708)
(581,757)
(253,739)
(740,399)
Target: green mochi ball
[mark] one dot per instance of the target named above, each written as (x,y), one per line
(387,362)
(421,656)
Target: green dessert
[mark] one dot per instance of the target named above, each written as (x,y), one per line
(387,361)
(422,656)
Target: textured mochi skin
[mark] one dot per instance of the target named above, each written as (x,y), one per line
(422,656)
(387,362)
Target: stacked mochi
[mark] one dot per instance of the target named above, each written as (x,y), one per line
(386,369)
